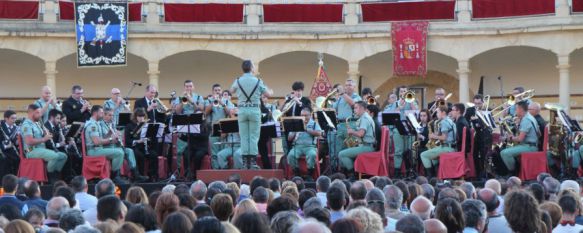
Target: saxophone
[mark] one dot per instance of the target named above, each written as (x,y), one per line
(351,141)
(433,127)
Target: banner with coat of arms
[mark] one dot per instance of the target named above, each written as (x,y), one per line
(409,48)
(322,84)
(101,33)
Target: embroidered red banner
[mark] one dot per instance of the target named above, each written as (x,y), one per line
(409,48)
(322,85)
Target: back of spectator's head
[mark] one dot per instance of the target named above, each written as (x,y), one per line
(203,210)
(304,196)
(421,180)
(570,185)
(448,193)
(167,203)
(34,216)
(176,223)
(79,184)
(336,198)
(245,206)
(70,219)
(522,212)
(449,212)
(569,204)
(108,226)
(129,227)
(346,225)
(210,193)
(310,226)
(198,190)
(382,181)
(513,183)
(207,224)
(31,189)
(323,183)
(358,190)
(144,215)
(260,195)
(469,190)
(542,176)
(18,226)
(274,185)
(320,214)
(375,195)
(434,226)
(291,192)
(56,206)
(551,186)
(185,200)
(137,195)
(428,191)
(393,196)
(554,211)
(313,202)
(110,207)
(68,194)
(182,188)
(222,206)
(538,191)
(421,207)
(410,224)
(370,221)
(235,177)
(104,187)
(299,181)
(256,182)
(282,203)
(10,212)
(283,221)
(489,198)
(475,214)
(494,185)
(219,184)
(9,183)
(252,222)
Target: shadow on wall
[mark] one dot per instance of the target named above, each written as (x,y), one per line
(432,81)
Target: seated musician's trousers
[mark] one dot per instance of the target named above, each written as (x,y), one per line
(509,154)
(431,156)
(113,154)
(347,156)
(55,160)
(298,151)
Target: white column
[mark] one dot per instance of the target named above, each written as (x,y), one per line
(353,72)
(49,15)
(252,10)
(464,76)
(153,73)
(153,17)
(564,81)
(562,8)
(51,75)
(464,15)
(350,12)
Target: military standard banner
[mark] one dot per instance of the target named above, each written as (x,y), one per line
(409,48)
(101,33)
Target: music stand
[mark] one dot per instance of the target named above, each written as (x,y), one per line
(123,119)
(75,130)
(189,121)
(293,124)
(216,130)
(269,129)
(394,119)
(323,122)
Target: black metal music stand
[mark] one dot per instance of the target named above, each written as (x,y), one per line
(123,119)
(394,119)
(187,120)
(324,123)
(75,130)
(293,124)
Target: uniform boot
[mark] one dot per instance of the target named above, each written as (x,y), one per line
(137,177)
(429,173)
(296,171)
(116,178)
(310,177)
(397,173)
(53,177)
(253,162)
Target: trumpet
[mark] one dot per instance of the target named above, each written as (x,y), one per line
(59,103)
(184,99)
(372,100)
(409,96)
(161,107)
(83,102)
(511,100)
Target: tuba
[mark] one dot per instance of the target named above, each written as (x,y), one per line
(557,132)
(351,141)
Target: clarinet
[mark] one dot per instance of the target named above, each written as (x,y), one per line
(7,143)
(46,132)
(73,146)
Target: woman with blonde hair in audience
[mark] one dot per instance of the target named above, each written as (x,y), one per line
(166,204)
(371,222)
(230,228)
(137,195)
(292,192)
(19,226)
(129,227)
(108,226)
(288,183)
(245,206)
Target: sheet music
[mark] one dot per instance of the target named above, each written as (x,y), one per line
(413,120)
(415,112)
(194,128)
(159,134)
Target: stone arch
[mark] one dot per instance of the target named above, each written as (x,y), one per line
(434,79)
(576,72)
(22,74)
(280,71)
(338,49)
(204,67)
(527,66)
(97,82)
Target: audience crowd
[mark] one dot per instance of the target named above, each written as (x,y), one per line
(336,205)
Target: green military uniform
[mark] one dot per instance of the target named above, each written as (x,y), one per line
(116,110)
(217,113)
(344,111)
(512,109)
(55,160)
(575,161)
(401,142)
(249,90)
(348,155)
(190,107)
(234,150)
(41,103)
(430,156)
(528,126)
(390,107)
(93,129)
(131,158)
(304,145)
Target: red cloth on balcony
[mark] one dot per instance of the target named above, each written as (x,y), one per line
(67,11)
(302,13)
(207,12)
(19,9)
(506,8)
(399,11)
(577,6)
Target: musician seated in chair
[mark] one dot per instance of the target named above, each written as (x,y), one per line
(9,162)
(304,144)
(527,138)
(364,134)
(445,136)
(95,140)
(231,148)
(107,125)
(53,125)
(142,150)
(34,137)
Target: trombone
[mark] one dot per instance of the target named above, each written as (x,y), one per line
(438,103)
(511,100)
